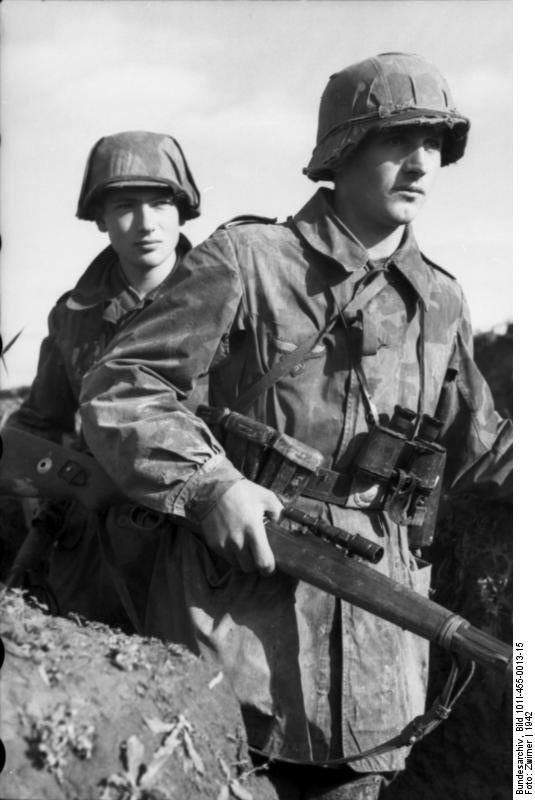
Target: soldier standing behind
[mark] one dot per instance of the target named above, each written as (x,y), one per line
(375,325)
(139,190)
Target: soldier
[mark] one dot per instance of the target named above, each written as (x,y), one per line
(319,327)
(139,190)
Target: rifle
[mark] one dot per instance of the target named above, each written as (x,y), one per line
(34,467)
(31,466)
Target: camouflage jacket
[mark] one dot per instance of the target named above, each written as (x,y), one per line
(80,326)
(317,678)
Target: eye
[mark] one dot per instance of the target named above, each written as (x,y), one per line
(394,139)
(433,143)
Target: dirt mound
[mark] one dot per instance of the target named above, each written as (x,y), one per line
(89,713)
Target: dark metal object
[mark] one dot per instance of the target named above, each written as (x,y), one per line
(353,543)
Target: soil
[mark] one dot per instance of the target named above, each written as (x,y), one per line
(76,696)
(89,713)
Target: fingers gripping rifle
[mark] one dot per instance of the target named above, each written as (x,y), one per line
(311,550)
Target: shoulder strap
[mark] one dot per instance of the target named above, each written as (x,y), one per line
(365,291)
(246,219)
(437,267)
(278,371)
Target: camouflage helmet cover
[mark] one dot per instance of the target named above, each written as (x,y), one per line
(390,89)
(138,158)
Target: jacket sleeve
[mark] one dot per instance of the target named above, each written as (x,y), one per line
(478,440)
(50,408)
(133,403)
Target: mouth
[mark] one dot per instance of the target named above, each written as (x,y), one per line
(411,191)
(147,244)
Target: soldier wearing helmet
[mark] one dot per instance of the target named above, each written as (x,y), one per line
(320,327)
(138,189)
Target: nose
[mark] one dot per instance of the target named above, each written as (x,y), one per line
(417,161)
(146,219)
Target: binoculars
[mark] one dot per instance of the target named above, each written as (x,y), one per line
(405,458)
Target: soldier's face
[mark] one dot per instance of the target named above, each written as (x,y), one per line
(387,180)
(142,224)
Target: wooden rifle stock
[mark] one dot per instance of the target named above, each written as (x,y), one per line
(31,466)
(34,467)
(318,562)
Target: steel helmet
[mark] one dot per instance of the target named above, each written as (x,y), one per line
(138,158)
(390,89)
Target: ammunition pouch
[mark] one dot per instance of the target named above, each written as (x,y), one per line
(287,467)
(400,464)
(265,456)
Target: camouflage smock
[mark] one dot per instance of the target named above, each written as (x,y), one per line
(317,678)
(80,326)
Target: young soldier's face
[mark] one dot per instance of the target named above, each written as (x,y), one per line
(387,180)
(143,225)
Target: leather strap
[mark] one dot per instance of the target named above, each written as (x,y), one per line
(278,371)
(419,727)
(365,291)
(329,486)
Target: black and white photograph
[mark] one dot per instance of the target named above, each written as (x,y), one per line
(256,400)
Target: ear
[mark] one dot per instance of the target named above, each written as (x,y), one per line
(101,225)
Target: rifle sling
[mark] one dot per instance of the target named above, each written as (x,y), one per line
(419,727)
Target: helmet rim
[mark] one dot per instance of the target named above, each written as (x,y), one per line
(387,90)
(138,158)
(344,139)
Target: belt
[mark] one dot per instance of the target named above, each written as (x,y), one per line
(339,488)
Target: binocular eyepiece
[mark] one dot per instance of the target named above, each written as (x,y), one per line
(411,424)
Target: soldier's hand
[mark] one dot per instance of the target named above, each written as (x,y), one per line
(235,527)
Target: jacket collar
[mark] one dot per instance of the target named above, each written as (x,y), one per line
(104,282)
(325,232)
(408,260)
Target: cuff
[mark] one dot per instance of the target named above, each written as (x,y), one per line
(202,491)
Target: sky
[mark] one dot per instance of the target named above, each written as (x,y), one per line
(238,83)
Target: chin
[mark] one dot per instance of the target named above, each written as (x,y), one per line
(403,216)
(150,261)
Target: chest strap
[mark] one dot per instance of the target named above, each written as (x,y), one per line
(370,285)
